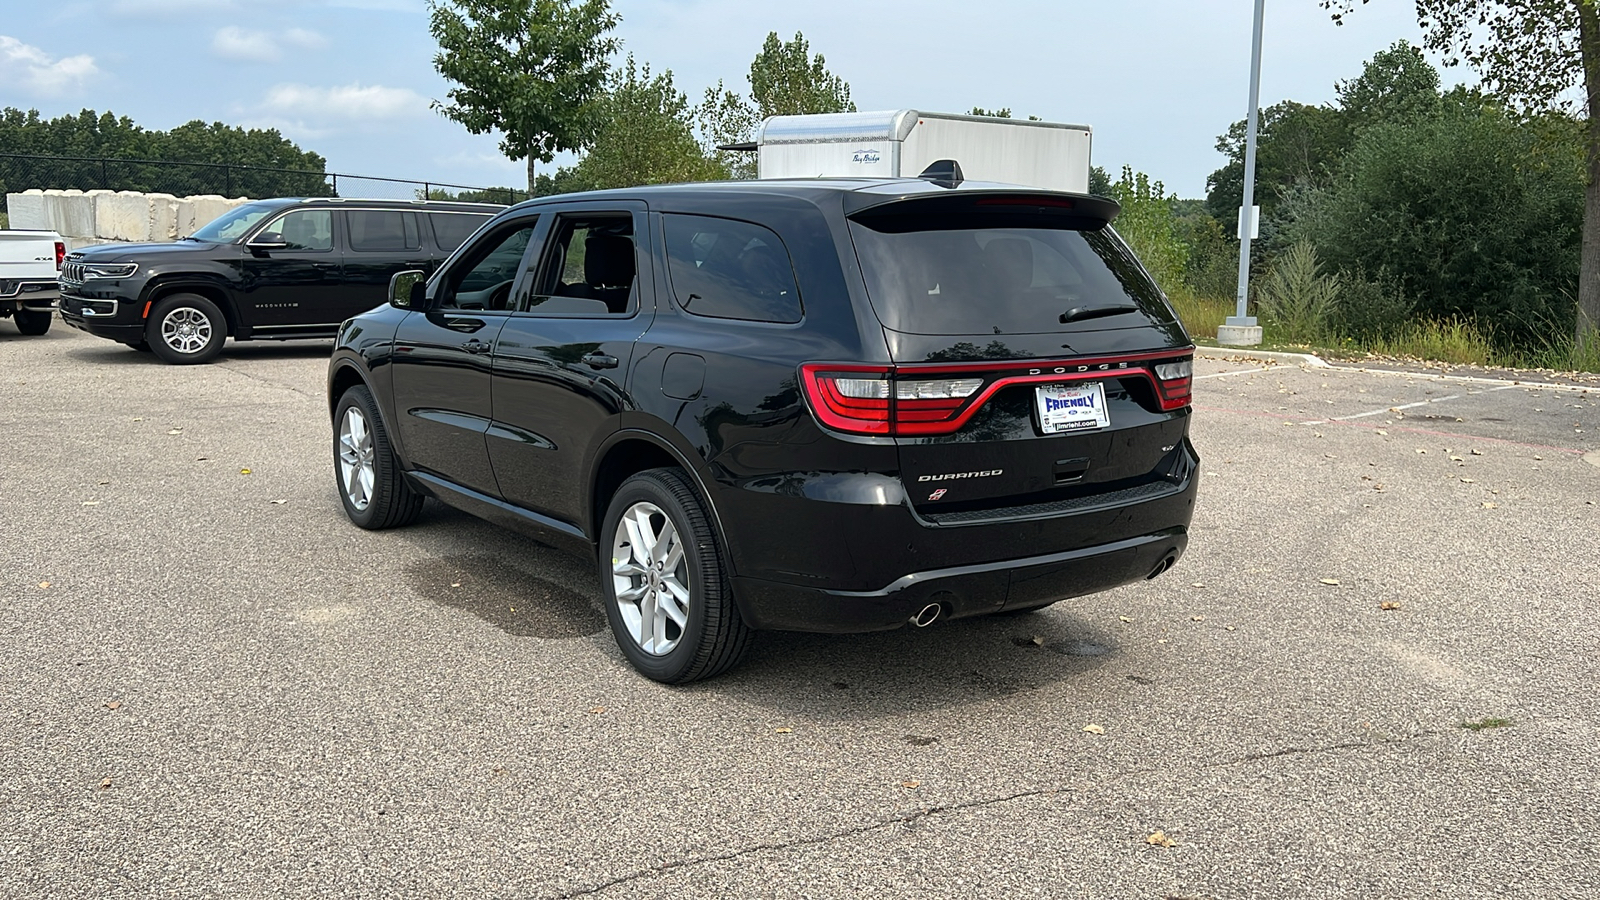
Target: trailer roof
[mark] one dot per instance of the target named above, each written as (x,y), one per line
(877,125)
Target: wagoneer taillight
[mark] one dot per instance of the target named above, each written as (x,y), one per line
(929,400)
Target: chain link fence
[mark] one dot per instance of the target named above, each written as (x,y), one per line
(21,172)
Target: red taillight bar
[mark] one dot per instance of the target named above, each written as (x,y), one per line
(61,253)
(890,415)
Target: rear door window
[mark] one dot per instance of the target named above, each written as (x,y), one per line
(955,275)
(375,230)
(451,229)
(729,269)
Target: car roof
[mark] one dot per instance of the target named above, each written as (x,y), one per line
(433,205)
(857,193)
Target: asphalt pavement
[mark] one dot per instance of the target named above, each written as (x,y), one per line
(212,685)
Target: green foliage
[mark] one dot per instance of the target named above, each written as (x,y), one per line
(785,80)
(645,135)
(1099,182)
(723,118)
(1297,300)
(106,135)
(503,195)
(1212,265)
(1453,340)
(534,70)
(1294,143)
(1371,306)
(1469,213)
(1147,225)
(1396,86)
(1003,112)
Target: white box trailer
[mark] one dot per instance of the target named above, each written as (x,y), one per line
(902,143)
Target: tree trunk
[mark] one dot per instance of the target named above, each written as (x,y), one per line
(1588,319)
(533,183)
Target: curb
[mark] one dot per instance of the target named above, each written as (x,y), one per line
(1299,359)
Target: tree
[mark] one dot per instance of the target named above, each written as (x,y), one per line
(1294,143)
(1470,213)
(725,118)
(531,69)
(1531,54)
(785,80)
(1147,224)
(645,135)
(1396,86)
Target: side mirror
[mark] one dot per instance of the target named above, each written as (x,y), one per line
(408,289)
(267,240)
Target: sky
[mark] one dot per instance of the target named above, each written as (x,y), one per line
(1157,80)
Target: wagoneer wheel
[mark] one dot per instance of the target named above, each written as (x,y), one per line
(666,590)
(374,493)
(185,328)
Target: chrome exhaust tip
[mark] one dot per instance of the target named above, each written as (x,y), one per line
(1162,566)
(927,615)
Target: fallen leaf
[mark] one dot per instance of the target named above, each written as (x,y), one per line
(1094,729)
(1197,618)
(1467,481)
(1332,581)
(784,730)
(913,785)
(455,584)
(176,431)
(1230,627)
(107,482)
(113,704)
(1198,584)
(1160,839)
(91,503)
(1477,452)
(44,584)
(1490,504)
(1456,459)
(1389,605)
(1038,641)
(279,502)
(1382,432)
(597,710)
(105,784)
(1123,618)
(1422,451)
(244,471)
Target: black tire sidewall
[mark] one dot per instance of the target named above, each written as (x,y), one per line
(152,330)
(32,323)
(648,487)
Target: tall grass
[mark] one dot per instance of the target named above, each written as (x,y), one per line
(1565,355)
(1201,316)
(1453,340)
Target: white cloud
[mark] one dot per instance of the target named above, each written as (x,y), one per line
(304,38)
(344,102)
(157,9)
(27,65)
(234,42)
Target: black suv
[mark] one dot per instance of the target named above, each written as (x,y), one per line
(272,269)
(833,405)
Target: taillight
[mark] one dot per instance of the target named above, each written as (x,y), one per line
(864,399)
(928,400)
(1175,383)
(61,253)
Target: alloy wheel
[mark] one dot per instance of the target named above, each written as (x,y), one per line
(357,474)
(186,330)
(650,577)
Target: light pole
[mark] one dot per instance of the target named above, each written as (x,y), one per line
(1241,330)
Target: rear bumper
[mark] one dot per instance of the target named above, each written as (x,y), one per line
(39,296)
(962,591)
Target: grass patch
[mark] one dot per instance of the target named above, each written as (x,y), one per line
(1457,341)
(1200,316)
(1486,724)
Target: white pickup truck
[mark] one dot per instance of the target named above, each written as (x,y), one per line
(30,263)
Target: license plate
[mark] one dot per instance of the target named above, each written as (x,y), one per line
(1071,407)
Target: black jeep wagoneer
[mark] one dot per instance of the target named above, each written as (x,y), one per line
(831,405)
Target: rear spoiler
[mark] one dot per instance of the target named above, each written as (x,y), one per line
(1054,208)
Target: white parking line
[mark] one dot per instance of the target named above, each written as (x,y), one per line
(1405,406)
(1235,372)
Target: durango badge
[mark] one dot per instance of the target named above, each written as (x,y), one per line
(987,473)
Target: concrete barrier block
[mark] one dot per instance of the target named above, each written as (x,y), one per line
(163,217)
(26,210)
(69,213)
(122,216)
(197,212)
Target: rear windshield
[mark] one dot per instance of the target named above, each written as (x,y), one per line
(931,275)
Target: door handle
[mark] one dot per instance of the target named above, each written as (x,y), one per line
(476,346)
(600,361)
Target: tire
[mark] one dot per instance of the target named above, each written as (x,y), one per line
(185,329)
(32,322)
(708,637)
(372,488)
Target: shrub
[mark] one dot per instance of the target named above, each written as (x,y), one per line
(1370,307)
(1297,301)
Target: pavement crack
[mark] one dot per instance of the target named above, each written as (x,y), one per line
(931,811)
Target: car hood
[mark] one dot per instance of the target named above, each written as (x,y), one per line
(102,253)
